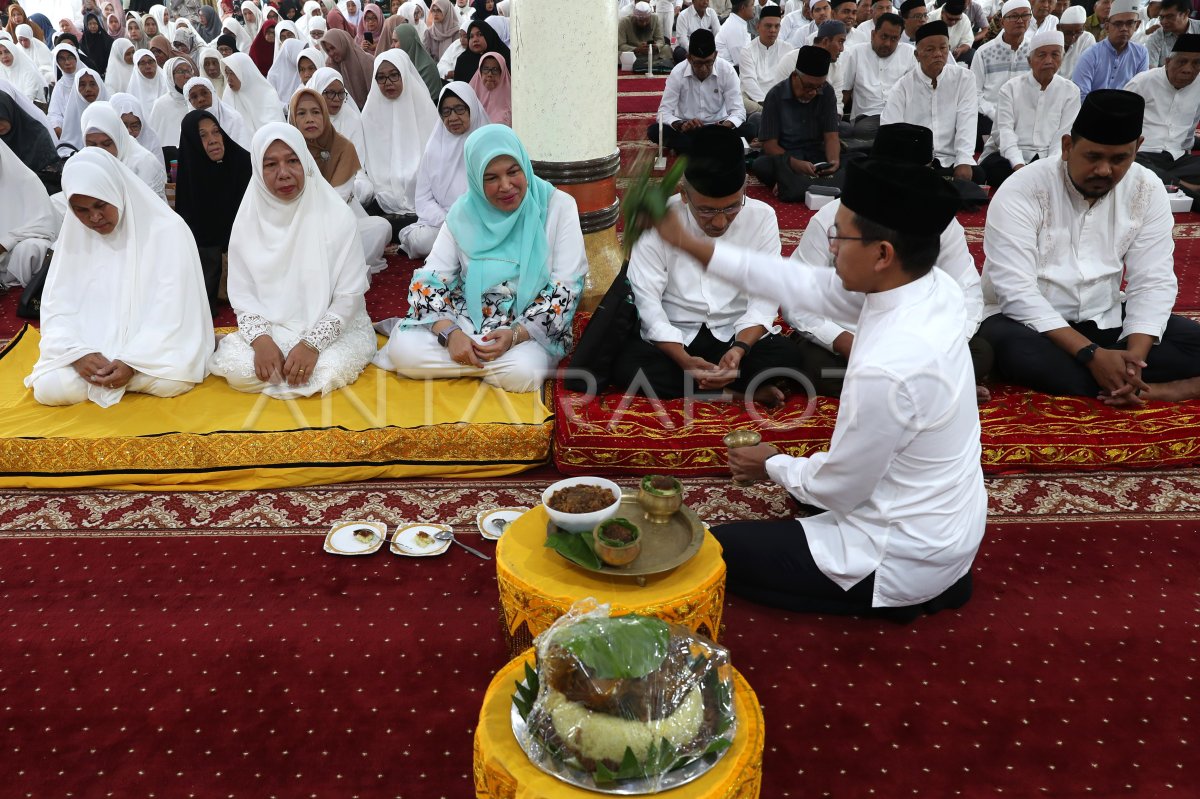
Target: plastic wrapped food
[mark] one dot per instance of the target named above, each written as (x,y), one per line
(624,704)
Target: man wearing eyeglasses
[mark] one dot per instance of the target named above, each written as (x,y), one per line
(1113,62)
(698,334)
(703,90)
(915,14)
(1001,59)
(1174,19)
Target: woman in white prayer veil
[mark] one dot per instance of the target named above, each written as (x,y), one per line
(170,109)
(283,75)
(148,81)
(312,9)
(202,97)
(249,94)
(137,122)
(118,73)
(442,178)
(399,114)
(239,32)
(308,61)
(37,51)
(289,27)
(103,128)
(66,58)
(124,307)
(17,69)
(251,21)
(296,279)
(347,119)
(212,66)
(28,221)
(89,87)
(316,30)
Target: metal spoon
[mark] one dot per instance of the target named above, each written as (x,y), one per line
(447,535)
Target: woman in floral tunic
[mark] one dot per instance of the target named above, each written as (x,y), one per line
(497,294)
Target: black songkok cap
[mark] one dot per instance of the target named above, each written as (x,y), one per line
(909,5)
(702,44)
(935,28)
(903,142)
(1187,43)
(1110,116)
(903,197)
(716,161)
(954,7)
(813,61)
(770,11)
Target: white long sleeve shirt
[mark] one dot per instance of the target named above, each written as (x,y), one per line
(1171,114)
(901,480)
(759,65)
(794,29)
(688,22)
(952,108)
(715,99)
(1071,57)
(869,78)
(994,64)
(1030,121)
(953,258)
(675,295)
(1051,259)
(733,38)
(962,32)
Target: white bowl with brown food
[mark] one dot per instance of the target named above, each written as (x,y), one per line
(585,494)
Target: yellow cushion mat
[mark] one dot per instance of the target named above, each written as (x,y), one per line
(213,437)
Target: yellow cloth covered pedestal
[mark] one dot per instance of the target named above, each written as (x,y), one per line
(213,437)
(537,585)
(503,771)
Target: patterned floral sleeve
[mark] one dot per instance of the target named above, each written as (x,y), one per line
(251,326)
(324,332)
(431,298)
(548,317)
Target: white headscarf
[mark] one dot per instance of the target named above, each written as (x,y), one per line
(392,162)
(256,100)
(146,90)
(23,74)
(160,15)
(313,54)
(135,295)
(118,73)
(243,37)
(283,75)
(124,103)
(25,208)
(443,166)
(288,25)
(354,19)
(317,24)
(37,51)
(287,260)
(500,25)
(251,28)
(227,117)
(348,121)
(101,116)
(72,128)
(205,54)
(170,109)
(306,17)
(408,12)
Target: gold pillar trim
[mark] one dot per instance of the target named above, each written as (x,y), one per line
(603,250)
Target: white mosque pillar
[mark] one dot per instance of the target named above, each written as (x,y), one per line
(564,106)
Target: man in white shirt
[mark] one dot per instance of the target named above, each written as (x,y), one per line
(735,32)
(797,28)
(1079,275)
(826,343)
(941,98)
(698,331)
(1042,19)
(865,30)
(915,14)
(962,35)
(1075,39)
(761,58)
(1034,111)
(901,482)
(1000,60)
(696,17)
(703,90)
(1172,96)
(870,72)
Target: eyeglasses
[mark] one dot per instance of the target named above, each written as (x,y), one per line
(391,77)
(181,71)
(834,236)
(493,71)
(728,212)
(1019,17)
(333,95)
(455,110)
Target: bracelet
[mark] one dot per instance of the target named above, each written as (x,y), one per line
(517,331)
(743,345)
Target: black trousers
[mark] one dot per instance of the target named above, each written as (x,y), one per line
(997,169)
(682,142)
(977,173)
(1172,170)
(210,266)
(1028,358)
(776,169)
(397,221)
(769,562)
(642,364)
(984,127)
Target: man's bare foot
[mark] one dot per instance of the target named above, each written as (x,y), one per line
(982,395)
(1173,391)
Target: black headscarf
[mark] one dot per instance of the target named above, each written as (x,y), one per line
(208,193)
(97,45)
(481,12)
(468,63)
(290,10)
(28,138)
(228,40)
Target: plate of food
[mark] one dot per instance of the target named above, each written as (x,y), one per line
(349,537)
(494,521)
(419,540)
(624,704)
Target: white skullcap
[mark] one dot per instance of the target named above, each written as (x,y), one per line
(1124,7)
(1013,5)
(641,7)
(1045,38)
(1075,15)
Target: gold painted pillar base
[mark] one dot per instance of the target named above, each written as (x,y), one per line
(604,264)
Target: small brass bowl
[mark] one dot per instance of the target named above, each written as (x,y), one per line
(612,552)
(660,503)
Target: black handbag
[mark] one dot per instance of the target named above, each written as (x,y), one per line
(51,173)
(613,322)
(30,304)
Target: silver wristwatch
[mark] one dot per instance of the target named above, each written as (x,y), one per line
(444,337)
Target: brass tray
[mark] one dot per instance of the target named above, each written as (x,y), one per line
(664,546)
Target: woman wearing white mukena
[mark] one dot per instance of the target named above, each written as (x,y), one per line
(28,221)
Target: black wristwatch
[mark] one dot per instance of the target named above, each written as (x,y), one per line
(745,347)
(444,336)
(1085,355)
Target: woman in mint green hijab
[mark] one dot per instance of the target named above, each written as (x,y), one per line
(497,294)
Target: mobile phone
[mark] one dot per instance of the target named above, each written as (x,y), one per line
(368,37)
(822,167)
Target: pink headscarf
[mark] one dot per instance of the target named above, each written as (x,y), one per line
(498,101)
(335,21)
(362,28)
